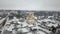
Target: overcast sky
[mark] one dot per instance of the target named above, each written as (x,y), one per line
(30,4)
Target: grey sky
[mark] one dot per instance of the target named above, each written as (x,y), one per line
(30,4)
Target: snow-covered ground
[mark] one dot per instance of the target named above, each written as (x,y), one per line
(25,27)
